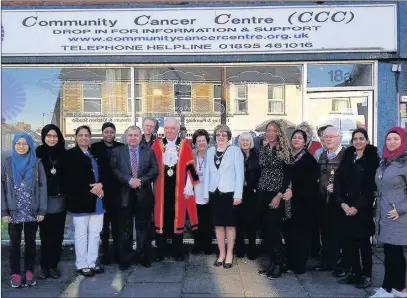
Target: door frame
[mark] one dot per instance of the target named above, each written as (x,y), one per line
(340,94)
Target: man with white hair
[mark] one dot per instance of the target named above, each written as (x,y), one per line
(328,208)
(175,163)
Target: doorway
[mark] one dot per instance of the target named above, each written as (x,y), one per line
(346,110)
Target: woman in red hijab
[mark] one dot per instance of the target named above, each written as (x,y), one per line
(391,215)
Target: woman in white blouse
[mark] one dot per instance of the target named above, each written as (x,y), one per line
(202,236)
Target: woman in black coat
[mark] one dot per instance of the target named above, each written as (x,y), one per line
(304,188)
(53,154)
(355,187)
(246,212)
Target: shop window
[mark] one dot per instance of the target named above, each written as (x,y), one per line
(92,97)
(276,99)
(340,106)
(138,96)
(340,75)
(182,97)
(217,98)
(241,99)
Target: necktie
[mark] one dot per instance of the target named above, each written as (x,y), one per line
(134,164)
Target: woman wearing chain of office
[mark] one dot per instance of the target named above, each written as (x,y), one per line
(223,185)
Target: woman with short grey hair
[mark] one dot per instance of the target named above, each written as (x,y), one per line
(246,212)
(223,185)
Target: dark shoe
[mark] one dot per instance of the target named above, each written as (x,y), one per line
(43,273)
(86,272)
(98,269)
(252,255)
(159,258)
(265,271)
(275,272)
(54,273)
(179,258)
(145,262)
(322,267)
(240,255)
(227,265)
(351,279)
(124,266)
(16,281)
(218,263)
(364,282)
(339,273)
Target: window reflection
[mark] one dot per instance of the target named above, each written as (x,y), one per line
(340,75)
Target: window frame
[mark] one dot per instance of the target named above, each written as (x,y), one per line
(216,99)
(136,98)
(269,100)
(238,99)
(92,98)
(182,98)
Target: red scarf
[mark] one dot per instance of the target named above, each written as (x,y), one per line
(388,155)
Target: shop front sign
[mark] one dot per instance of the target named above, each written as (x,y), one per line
(200,30)
(95,123)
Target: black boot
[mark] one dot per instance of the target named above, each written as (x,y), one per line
(275,272)
(266,270)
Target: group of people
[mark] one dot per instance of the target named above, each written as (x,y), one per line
(304,198)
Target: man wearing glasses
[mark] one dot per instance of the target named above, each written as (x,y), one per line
(328,208)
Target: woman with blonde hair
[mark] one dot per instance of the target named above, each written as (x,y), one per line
(275,158)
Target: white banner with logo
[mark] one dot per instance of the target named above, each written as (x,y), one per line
(95,123)
(203,30)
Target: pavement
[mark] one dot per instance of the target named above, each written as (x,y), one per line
(194,277)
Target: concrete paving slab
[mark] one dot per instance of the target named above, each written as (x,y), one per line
(259,286)
(39,290)
(319,284)
(204,283)
(104,285)
(159,272)
(152,290)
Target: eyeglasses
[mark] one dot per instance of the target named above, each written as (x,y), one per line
(330,137)
(221,135)
(52,136)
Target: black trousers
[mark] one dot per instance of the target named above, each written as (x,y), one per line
(246,224)
(15,231)
(394,268)
(359,252)
(52,230)
(297,245)
(271,221)
(204,234)
(111,223)
(139,209)
(315,235)
(329,235)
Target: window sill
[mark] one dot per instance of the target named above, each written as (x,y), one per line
(277,114)
(241,113)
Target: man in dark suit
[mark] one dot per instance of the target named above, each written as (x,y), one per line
(102,151)
(135,167)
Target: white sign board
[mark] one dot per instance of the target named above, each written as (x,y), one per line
(95,124)
(200,30)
